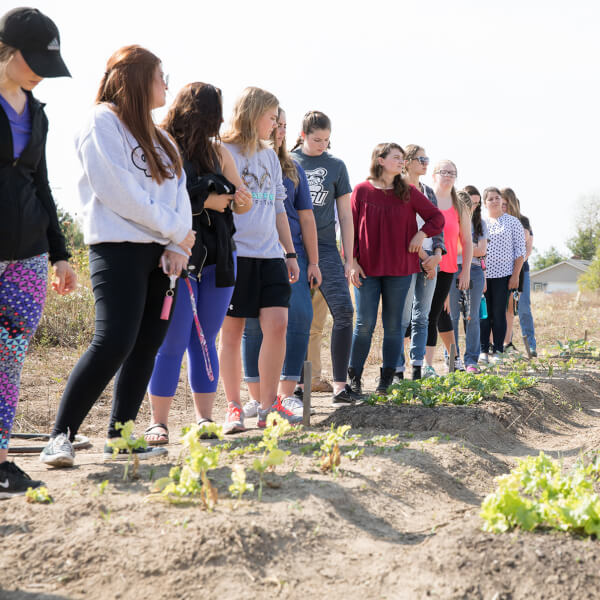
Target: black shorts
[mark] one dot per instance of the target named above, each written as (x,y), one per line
(260,283)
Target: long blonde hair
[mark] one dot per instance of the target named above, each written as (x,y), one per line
(248,109)
(288,167)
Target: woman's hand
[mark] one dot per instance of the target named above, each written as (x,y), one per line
(355,274)
(464,279)
(513,282)
(293,269)
(242,200)
(314,273)
(65,279)
(218,202)
(187,243)
(174,262)
(447,304)
(417,241)
(430,265)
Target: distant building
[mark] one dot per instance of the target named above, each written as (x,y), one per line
(561,277)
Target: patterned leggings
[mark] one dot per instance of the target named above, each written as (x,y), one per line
(22,295)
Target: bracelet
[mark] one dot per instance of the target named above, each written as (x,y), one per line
(313,264)
(291,255)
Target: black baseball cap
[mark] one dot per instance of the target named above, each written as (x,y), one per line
(37,37)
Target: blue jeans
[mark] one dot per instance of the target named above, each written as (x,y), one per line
(419,319)
(395,293)
(300,316)
(525,316)
(472,332)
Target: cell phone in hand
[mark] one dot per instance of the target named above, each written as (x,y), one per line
(313,283)
(164,261)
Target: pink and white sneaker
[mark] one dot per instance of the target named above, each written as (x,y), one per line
(473,369)
(234,419)
(281,411)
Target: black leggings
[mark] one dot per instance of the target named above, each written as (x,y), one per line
(129,289)
(496,297)
(439,319)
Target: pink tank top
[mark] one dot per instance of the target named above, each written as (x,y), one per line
(448,263)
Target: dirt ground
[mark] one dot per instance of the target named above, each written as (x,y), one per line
(398,524)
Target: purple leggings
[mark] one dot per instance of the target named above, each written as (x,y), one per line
(22,296)
(211,303)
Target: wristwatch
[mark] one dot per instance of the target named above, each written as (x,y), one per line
(291,255)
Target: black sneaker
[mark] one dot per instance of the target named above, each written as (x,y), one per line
(386,378)
(14,481)
(141,453)
(344,398)
(533,354)
(355,382)
(416,372)
(398,377)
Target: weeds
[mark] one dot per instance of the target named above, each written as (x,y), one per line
(38,495)
(129,443)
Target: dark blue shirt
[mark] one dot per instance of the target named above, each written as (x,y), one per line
(298,198)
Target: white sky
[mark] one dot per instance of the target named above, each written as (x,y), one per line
(507,90)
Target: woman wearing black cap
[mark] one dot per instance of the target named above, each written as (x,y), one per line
(29,228)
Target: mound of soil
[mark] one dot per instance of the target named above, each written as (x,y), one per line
(399,522)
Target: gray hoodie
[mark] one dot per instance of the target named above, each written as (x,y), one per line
(120,200)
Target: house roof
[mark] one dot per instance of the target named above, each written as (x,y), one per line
(581,265)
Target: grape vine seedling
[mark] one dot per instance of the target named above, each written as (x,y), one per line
(38,495)
(127,442)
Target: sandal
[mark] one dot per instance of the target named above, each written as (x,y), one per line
(161,438)
(205,435)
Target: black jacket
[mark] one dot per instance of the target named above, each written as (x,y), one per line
(28,220)
(214,230)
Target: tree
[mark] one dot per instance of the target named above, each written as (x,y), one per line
(586,240)
(71,230)
(590,280)
(546,259)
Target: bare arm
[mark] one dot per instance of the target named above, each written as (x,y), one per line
(308,227)
(466,242)
(528,244)
(480,249)
(285,238)
(242,201)
(347,229)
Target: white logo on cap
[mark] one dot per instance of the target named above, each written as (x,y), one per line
(54,45)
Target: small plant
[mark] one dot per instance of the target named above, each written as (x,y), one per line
(239,485)
(537,494)
(330,448)
(129,443)
(102,487)
(190,483)
(38,495)
(272,454)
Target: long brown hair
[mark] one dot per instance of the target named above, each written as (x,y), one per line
(476,216)
(248,109)
(513,205)
(381,151)
(127,83)
(313,120)
(288,168)
(194,120)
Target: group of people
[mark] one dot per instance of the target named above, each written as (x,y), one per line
(193,234)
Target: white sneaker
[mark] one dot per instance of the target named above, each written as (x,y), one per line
(495,360)
(484,358)
(458,364)
(428,372)
(251,408)
(295,405)
(58,452)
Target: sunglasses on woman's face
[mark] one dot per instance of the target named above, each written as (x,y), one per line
(424,160)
